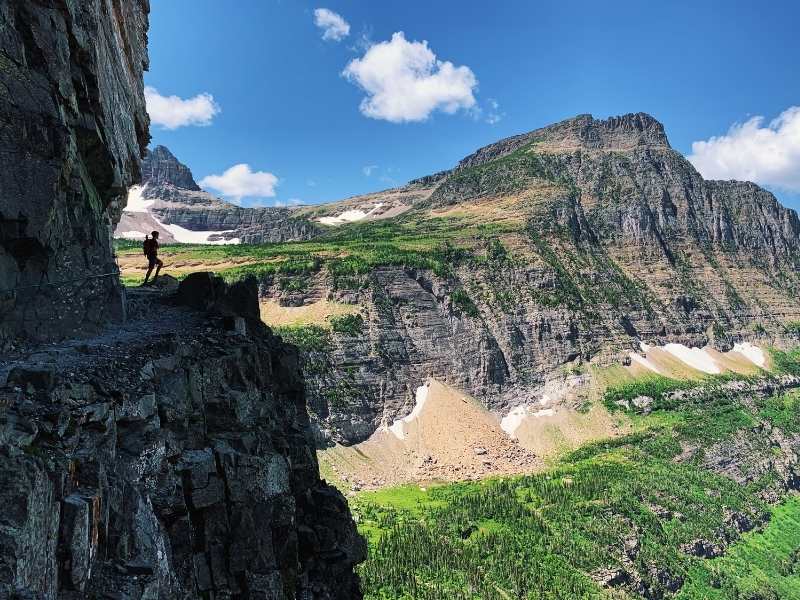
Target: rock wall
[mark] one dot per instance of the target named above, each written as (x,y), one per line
(170,458)
(166,455)
(72,126)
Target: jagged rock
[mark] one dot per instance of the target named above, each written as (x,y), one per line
(198,478)
(643,404)
(703,549)
(208,292)
(160,167)
(610,578)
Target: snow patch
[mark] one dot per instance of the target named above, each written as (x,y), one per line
(697,358)
(131,235)
(513,419)
(350,216)
(136,202)
(753,353)
(187,236)
(398,427)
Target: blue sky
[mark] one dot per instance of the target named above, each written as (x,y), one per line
(286,109)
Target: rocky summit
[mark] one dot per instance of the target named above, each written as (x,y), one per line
(153,444)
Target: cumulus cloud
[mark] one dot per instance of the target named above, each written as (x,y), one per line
(404,81)
(241,181)
(766,153)
(333,26)
(368,170)
(172,112)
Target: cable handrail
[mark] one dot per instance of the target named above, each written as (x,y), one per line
(58,283)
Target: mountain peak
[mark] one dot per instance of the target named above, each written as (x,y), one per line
(160,167)
(615,133)
(625,132)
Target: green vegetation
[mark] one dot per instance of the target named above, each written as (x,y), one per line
(348,253)
(786,362)
(617,518)
(463,303)
(309,338)
(347,324)
(792,327)
(653,386)
(764,565)
(783,411)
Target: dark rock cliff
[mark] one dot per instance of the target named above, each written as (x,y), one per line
(72,126)
(168,458)
(161,448)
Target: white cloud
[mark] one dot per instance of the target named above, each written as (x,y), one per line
(404,81)
(369,169)
(172,112)
(333,26)
(768,154)
(494,114)
(241,181)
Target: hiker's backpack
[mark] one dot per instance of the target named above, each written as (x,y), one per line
(148,246)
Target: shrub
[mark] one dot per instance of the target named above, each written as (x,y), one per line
(656,387)
(787,363)
(351,325)
(309,338)
(792,328)
(464,303)
(292,284)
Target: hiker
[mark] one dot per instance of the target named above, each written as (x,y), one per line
(150,248)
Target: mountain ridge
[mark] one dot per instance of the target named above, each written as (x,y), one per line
(556,249)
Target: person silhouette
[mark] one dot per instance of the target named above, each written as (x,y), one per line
(150,248)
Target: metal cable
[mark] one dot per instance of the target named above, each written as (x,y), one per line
(58,283)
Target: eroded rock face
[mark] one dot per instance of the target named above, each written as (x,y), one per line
(72,127)
(169,458)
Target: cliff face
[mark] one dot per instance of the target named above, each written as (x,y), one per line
(169,458)
(167,455)
(605,236)
(171,202)
(72,126)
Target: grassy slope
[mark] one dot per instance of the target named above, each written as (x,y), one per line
(623,505)
(764,564)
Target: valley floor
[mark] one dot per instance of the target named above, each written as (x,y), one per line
(695,502)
